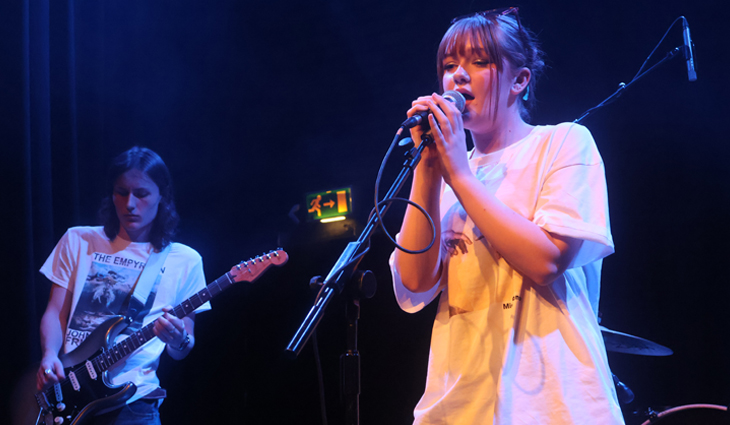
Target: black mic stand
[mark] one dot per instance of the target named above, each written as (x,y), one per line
(343,276)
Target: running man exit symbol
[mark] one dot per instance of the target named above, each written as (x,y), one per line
(327,204)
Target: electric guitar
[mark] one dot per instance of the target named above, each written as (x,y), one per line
(87,389)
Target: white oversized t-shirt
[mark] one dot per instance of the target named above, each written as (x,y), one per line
(505,350)
(101,273)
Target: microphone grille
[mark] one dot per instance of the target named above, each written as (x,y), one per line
(455,97)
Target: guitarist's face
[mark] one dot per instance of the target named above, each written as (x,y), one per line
(136,200)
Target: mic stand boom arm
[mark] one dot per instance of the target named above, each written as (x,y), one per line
(623,86)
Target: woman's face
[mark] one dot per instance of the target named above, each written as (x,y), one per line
(136,200)
(474,75)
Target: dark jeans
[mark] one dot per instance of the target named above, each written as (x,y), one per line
(141,412)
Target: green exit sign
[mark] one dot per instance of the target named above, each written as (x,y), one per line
(332,203)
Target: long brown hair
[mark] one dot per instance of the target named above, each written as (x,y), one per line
(147,161)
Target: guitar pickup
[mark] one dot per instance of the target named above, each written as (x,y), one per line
(74,381)
(91,370)
(58,391)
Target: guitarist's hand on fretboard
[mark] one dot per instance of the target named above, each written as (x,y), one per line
(174,331)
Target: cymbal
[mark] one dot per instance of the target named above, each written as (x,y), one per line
(620,342)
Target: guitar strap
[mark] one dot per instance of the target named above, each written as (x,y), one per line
(139,302)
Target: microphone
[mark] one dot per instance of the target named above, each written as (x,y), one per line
(421,118)
(624,393)
(688,55)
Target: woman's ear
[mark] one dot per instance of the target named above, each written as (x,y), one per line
(521,81)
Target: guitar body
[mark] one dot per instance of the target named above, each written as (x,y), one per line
(74,402)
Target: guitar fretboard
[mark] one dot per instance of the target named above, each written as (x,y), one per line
(122,349)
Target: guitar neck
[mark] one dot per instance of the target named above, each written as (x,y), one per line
(108,358)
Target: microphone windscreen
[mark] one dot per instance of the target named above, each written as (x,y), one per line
(455,97)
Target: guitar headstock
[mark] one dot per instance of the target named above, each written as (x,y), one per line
(252,269)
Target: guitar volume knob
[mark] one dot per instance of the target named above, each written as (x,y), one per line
(60,407)
(58,420)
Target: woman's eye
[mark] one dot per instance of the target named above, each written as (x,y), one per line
(449,67)
(481,62)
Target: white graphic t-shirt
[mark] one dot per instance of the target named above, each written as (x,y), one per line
(101,274)
(505,350)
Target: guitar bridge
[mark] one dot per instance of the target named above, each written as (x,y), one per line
(43,403)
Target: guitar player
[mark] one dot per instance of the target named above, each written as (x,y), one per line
(97,273)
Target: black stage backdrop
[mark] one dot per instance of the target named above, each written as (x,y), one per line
(253,104)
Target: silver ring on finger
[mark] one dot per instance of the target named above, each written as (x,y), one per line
(47,371)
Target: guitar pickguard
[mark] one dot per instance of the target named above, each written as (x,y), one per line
(85,390)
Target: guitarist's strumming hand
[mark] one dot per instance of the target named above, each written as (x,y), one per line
(49,372)
(175,332)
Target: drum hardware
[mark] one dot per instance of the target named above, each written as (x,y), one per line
(619,342)
(706,414)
